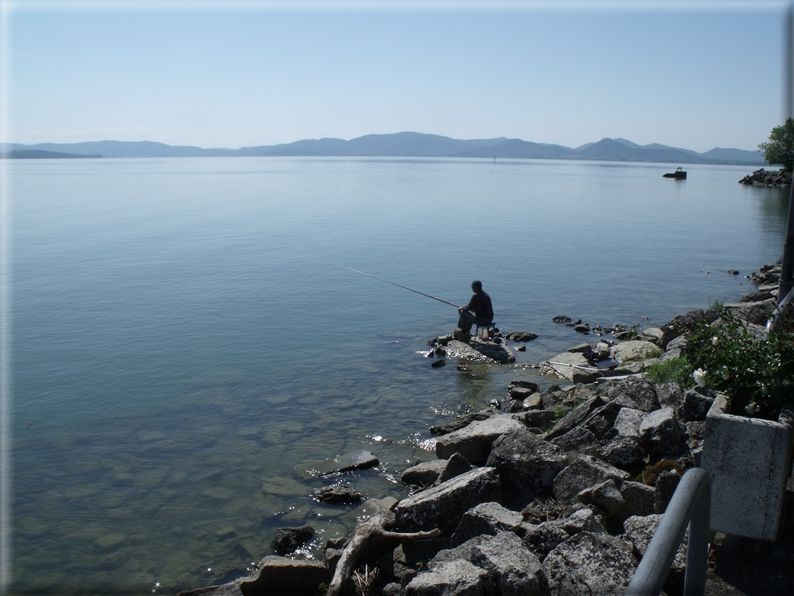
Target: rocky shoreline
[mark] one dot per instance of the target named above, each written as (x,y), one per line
(767,178)
(551,493)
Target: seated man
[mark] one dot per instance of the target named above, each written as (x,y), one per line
(478,311)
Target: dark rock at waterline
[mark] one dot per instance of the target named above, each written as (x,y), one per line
(438,363)
(758,296)
(337,494)
(520,336)
(425,473)
(287,540)
(280,576)
(357,460)
(459,422)
(562,319)
(474,441)
(443,506)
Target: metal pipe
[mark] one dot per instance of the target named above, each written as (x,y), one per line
(787,267)
(690,505)
(777,314)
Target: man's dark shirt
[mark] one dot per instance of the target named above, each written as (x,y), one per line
(480,305)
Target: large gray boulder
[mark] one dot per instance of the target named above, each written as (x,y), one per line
(670,395)
(512,569)
(452,578)
(544,538)
(576,439)
(589,564)
(443,506)
(606,497)
(474,441)
(526,464)
(636,350)
(602,419)
(661,433)
(583,473)
(694,406)
(425,473)
(486,519)
(640,391)
(573,367)
(640,531)
(582,520)
(288,577)
(622,452)
(628,421)
(455,466)
(575,417)
(639,498)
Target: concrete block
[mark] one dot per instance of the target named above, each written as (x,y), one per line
(749,461)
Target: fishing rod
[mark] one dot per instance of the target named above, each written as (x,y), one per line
(399,286)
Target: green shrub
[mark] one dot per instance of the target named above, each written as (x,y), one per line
(755,374)
(677,370)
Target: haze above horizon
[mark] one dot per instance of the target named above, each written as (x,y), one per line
(697,75)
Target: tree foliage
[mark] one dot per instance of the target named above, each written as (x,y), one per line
(780,148)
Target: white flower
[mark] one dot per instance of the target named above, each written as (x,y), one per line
(714,340)
(700,377)
(750,409)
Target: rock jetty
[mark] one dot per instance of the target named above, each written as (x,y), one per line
(553,493)
(767,178)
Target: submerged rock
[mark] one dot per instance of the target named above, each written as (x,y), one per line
(338,494)
(287,540)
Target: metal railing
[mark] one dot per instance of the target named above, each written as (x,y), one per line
(690,505)
(777,314)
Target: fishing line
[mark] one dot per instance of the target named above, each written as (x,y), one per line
(398,285)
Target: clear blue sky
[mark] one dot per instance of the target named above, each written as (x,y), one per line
(696,75)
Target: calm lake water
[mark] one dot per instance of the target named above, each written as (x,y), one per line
(185,347)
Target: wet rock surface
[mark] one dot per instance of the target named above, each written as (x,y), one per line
(288,540)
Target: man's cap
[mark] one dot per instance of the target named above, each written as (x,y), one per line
(476,282)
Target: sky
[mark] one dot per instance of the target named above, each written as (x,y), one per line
(696,74)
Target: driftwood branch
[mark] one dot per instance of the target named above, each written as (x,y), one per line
(368,537)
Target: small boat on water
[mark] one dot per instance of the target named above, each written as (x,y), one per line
(679,174)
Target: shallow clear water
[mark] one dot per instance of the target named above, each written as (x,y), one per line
(185,346)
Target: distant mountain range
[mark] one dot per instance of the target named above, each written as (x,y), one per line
(401,144)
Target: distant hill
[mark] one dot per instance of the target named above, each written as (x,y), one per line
(39,154)
(411,144)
